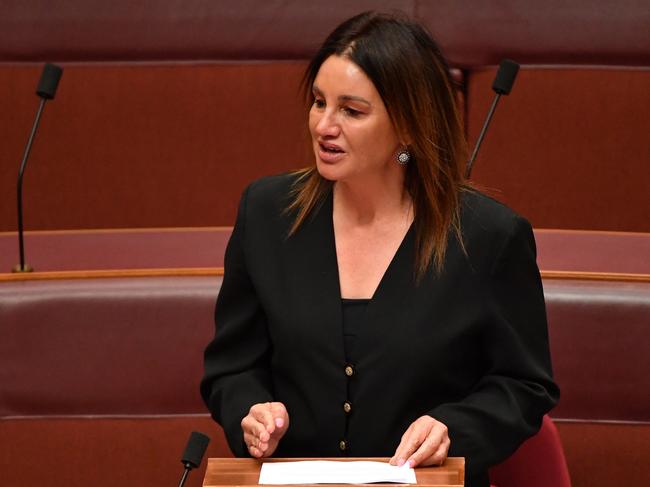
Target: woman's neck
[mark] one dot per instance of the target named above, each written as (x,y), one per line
(372,200)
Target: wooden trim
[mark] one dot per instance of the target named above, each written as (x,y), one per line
(561,231)
(117,230)
(109,273)
(606,422)
(226,227)
(595,276)
(218,271)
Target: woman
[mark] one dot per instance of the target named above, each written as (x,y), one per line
(375,305)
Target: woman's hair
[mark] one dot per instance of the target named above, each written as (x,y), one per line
(412,77)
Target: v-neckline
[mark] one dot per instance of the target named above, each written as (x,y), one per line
(386,270)
(316,280)
(389,291)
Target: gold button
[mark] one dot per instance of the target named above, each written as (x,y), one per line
(347,407)
(342,445)
(349,371)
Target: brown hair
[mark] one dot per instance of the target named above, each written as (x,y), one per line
(412,77)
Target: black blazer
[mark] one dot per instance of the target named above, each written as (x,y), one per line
(467,346)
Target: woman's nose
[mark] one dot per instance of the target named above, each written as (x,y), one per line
(328,125)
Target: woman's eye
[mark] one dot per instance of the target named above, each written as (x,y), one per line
(351,111)
(318,103)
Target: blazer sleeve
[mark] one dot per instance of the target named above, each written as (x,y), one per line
(237,360)
(506,406)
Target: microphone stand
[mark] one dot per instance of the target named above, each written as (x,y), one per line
(188,467)
(22,267)
(470,163)
(46,90)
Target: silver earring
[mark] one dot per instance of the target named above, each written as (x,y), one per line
(403,157)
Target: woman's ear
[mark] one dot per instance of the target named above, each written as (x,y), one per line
(405,139)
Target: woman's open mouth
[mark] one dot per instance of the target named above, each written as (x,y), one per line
(329,152)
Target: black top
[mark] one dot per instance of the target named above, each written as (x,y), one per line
(469,345)
(353,312)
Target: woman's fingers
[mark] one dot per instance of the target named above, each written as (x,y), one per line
(280,415)
(255,452)
(425,442)
(263,413)
(439,457)
(254,427)
(411,440)
(409,443)
(254,441)
(433,450)
(263,427)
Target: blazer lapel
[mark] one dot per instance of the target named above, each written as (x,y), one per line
(313,276)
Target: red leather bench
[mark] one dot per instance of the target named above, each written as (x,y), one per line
(102,374)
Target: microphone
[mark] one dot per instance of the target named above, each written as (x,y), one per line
(49,81)
(46,90)
(502,85)
(193,453)
(505,77)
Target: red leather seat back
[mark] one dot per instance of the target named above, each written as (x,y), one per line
(539,462)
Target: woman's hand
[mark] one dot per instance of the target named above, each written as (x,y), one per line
(263,427)
(425,442)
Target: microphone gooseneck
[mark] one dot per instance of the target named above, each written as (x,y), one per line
(193,454)
(502,85)
(46,90)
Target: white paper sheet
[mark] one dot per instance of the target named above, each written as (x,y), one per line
(333,472)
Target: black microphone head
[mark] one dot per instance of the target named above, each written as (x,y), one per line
(505,77)
(195,449)
(49,81)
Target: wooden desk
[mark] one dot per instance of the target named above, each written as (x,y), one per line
(244,472)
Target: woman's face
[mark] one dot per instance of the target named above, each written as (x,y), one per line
(351,131)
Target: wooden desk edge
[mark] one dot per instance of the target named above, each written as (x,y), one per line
(229,472)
